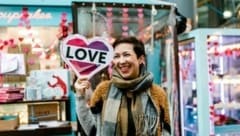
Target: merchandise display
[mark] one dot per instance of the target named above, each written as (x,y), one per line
(34,86)
(47,84)
(209,82)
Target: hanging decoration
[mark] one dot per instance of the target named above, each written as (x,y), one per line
(31,61)
(26,50)
(24,22)
(125,21)
(7,43)
(63,27)
(109,15)
(215,51)
(153,14)
(140,23)
(24,19)
(212,117)
(187,54)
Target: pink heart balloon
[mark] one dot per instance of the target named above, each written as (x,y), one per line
(86,57)
(109,14)
(125,10)
(109,9)
(125,28)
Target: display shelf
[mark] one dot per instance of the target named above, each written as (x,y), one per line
(230,105)
(36,101)
(63,130)
(37,110)
(209,62)
(227,129)
(226,79)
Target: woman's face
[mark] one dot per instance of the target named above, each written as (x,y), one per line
(126,62)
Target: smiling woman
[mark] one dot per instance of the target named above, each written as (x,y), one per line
(128,104)
(126,61)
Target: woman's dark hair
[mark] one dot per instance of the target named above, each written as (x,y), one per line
(138,45)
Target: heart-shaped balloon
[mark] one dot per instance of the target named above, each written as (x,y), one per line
(86,57)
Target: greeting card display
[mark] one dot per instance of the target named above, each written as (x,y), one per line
(48,84)
(12,64)
(86,57)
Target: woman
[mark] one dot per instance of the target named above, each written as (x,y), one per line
(129,104)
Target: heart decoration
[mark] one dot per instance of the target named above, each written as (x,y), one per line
(86,57)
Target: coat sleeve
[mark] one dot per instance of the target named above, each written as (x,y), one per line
(85,116)
(166,112)
(160,97)
(88,115)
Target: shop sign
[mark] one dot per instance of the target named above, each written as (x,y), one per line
(37,14)
(86,57)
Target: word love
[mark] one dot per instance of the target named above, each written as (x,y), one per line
(86,55)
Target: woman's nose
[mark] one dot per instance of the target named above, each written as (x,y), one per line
(122,59)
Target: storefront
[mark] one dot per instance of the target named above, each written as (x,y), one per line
(35,27)
(33,31)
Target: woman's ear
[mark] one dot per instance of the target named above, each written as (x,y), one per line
(142,60)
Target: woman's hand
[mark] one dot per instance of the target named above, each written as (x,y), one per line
(81,85)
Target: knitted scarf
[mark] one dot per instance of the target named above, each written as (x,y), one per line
(144,113)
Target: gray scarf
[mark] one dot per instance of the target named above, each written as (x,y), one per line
(145,115)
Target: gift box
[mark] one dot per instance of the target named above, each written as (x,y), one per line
(32,62)
(43,112)
(9,122)
(48,84)
(13,49)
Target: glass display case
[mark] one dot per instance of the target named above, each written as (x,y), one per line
(209,68)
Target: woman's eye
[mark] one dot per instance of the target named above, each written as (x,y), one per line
(115,57)
(127,55)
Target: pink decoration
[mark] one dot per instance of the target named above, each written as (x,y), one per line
(125,28)
(26,49)
(13,46)
(125,20)
(228,52)
(140,15)
(20,39)
(109,15)
(125,10)
(140,10)
(109,9)
(31,62)
(185,70)
(24,19)
(140,23)
(39,53)
(5,42)
(124,33)
(37,46)
(11,41)
(125,15)
(65,28)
